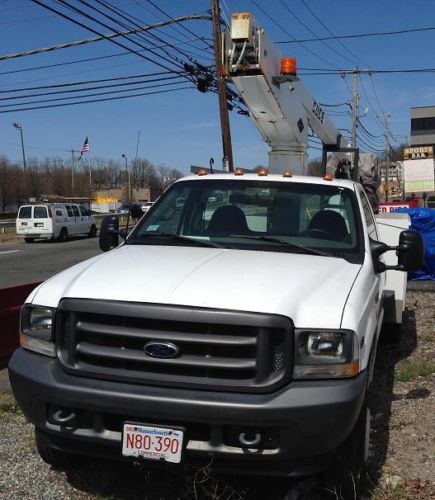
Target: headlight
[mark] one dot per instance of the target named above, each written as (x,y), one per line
(326,354)
(36,331)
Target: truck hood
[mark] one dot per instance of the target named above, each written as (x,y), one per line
(309,289)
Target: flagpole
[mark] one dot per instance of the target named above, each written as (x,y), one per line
(90,173)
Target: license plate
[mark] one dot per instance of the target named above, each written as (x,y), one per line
(155,443)
(39,224)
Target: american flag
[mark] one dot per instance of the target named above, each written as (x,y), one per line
(85,148)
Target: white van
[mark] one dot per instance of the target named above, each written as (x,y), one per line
(54,221)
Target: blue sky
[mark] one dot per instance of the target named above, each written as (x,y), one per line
(182,128)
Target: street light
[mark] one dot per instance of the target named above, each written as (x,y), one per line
(128,176)
(20,128)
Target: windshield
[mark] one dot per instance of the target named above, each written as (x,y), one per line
(254,215)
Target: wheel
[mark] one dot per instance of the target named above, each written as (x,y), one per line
(63,235)
(29,240)
(346,478)
(93,231)
(54,457)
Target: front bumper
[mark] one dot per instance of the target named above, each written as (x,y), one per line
(301,424)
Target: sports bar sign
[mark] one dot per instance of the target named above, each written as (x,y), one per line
(418,167)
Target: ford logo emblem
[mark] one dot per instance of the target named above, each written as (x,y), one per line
(163,350)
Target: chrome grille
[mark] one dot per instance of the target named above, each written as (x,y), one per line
(219,350)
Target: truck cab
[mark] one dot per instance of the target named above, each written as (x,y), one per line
(238,320)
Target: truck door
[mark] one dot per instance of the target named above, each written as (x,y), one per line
(373,233)
(78,222)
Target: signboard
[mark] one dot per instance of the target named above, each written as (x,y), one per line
(419,175)
(418,153)
(385,208)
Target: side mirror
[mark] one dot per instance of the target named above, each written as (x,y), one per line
(410,252)
(109,233)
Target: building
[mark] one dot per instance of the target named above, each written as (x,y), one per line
(423,126)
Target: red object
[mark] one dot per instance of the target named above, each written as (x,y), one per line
(11,300)
(394,205)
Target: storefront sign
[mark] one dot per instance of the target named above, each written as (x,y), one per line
(418,153)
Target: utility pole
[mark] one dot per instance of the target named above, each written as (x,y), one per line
(20,128)
(72,151)
(355,106)
(221,86)
(387,169)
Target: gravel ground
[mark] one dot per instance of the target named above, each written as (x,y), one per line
(401,465)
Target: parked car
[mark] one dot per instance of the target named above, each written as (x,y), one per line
(146,206)
(54,221)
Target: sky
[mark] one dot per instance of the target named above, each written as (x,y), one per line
(182,128)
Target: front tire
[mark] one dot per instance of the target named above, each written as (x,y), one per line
(54,457)
(346,478)
(93,231)
(63,235)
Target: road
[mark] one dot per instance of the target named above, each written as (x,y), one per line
(24,263)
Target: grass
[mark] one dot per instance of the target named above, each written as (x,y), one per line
(389,493)
(428,337)
(8,405)
(410,370)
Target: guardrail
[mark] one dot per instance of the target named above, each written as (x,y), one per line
(11,300)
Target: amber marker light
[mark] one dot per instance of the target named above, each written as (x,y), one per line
(263,172)
(328,177)
(238,171)
(203,171)
(288,66)
(287,173)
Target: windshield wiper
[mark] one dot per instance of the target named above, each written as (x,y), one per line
(287,244)
(177,237)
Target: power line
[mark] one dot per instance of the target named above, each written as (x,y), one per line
(358,35)
(89,95)
(287,8)
(76,61)
(331,33)
(65,16)
(69,91)
(77,43)
(14,110)
(285,31)
(170,17)
(94,19)
(132,19)
(87,82)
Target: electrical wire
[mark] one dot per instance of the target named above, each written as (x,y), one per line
(356,58)
(69,91)
(76,61)
(14,110)
(86,41)
(95,94)
(101,23)
(132,20)
(285,31)
(359,35)
(287,8)
(79,23)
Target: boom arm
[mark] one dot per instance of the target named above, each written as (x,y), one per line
(281,107)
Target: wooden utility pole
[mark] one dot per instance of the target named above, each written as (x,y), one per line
(355,106)
(387,169)
(221,86)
